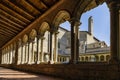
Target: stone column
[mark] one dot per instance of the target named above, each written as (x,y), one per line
(55,46)
(114,6)
(105,58)
(38,49)
(26,52)
(30,51)
(51,48)
(16,53)
(23,54)
(10,54)
(2,56)
(33,53)
(42,54)
(6,58)
(74,40)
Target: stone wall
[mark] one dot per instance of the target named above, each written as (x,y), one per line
(82,71)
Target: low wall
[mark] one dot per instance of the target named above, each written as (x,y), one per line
(81,71)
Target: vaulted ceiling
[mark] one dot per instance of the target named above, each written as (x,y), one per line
(16,15)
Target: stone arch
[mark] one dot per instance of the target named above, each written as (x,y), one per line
(25,38)
(43,28)
(102,58)
(33,34)
(83,6)
(82,58)
(86,58)
(61,17)
(107,57)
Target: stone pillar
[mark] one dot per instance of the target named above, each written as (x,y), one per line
(5,58)
(23,54)
(38,49)
(105,58)
(21,62)
(16,53)
(1,56)
(42,54)
(24,59)
(10,56)
(74,40)
(33,53)
(114,6)
(51,48)
(26,52)
(55,46)
(30,52)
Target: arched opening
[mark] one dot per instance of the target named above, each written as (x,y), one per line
(102,58)
(86,58)
(63,36)
(44,43)
(95,34)
(82,58)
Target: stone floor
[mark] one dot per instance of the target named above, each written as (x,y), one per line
(9,74)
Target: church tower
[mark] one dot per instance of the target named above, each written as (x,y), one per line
(90,25)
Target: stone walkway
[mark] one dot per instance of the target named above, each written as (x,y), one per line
(9,74)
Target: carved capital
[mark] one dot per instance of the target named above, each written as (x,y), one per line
(54,29)
(75,21)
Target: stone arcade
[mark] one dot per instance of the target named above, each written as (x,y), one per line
(23,24)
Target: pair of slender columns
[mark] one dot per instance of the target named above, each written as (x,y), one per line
(40,54)
(7,56)
(31,57)
(74,40)
(24,53)
(114,6)
(53,47)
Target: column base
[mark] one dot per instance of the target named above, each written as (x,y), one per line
(50,62)
(29,63)
(38,62)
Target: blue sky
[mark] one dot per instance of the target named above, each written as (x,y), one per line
(101,19)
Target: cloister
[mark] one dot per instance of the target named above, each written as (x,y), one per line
(24,23)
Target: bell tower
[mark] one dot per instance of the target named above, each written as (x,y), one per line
(90,25)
